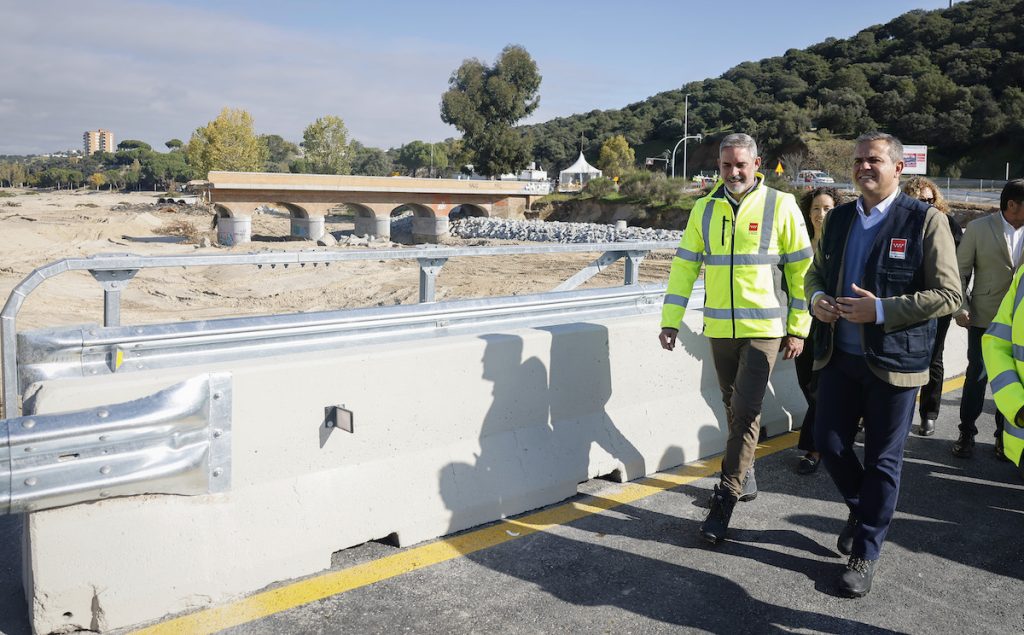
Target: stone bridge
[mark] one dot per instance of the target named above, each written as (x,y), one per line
(373,199)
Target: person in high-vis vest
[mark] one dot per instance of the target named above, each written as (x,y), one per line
(1003,342)
(747,235)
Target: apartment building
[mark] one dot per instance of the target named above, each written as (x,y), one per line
(98,141)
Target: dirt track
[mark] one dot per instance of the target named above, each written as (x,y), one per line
(36,229)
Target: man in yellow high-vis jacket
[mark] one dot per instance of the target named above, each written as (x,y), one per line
(1003,343)
(747,235)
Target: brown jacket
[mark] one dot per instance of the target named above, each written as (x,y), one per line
(983,252)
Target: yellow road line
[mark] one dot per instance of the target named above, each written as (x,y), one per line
(335,582)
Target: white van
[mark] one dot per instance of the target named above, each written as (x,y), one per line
(813,177)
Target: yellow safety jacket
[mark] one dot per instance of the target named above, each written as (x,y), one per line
(1002,346)
(742,255)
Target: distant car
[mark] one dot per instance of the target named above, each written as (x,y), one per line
(814,177)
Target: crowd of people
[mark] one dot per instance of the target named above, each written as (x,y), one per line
(861,294)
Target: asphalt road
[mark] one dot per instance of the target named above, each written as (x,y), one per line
(953,561)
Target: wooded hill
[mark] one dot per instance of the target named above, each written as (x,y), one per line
(950,79)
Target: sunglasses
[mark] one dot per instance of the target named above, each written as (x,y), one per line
(927,200)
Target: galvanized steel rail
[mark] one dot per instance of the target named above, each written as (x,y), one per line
(114,272)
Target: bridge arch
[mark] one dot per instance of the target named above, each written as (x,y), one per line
(418,210)
(296,211)
(467,210)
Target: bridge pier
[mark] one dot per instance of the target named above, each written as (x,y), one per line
(429,229)
(379,226)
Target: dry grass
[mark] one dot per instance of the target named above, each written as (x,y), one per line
(182,228)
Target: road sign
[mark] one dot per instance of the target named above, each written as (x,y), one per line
(778,168)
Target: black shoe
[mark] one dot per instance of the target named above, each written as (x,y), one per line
(808,464)
(715,526)
(1000,455)
(927,427)
(964,446)
(845,542)
(749,487)
(855,582)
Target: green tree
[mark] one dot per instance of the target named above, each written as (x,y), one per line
(174,144)
(370,161)
(279,152)
(616,157)
(325,142)
(484,102)
(418,156)
(226,143)
(134,144)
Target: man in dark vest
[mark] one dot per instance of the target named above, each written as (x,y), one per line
(884,269)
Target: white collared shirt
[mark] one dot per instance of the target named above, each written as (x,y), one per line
(1014,240)
(877,212)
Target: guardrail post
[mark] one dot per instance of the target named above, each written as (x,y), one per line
(632,266)
(112,282)
(429,268)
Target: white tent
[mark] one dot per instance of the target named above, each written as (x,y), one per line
(577,175)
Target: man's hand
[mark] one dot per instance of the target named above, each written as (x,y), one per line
(668,338)
(791,347)
(825,309)
(964,319)
(860,309)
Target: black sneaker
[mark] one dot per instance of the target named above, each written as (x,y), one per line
(855,581)
(1000,455)
(716,524)
(808,464)
(749,486)
(964,446)
(845,542)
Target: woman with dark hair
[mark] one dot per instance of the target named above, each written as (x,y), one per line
(927,192)
(815,204)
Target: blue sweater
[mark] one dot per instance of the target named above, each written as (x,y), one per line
(858,246)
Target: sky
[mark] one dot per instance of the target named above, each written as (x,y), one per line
(156,70)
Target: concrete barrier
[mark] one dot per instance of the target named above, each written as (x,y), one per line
(448,433)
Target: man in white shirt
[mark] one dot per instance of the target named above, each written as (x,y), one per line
(990,251)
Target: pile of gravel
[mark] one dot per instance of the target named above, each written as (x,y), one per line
(558,232)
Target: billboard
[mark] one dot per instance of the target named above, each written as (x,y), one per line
(915,159)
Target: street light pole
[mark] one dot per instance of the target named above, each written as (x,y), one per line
(686,136)
(686,129)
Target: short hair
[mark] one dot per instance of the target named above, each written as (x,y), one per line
(738,140)
(808,199)
(1012,191)
(914,186)
(895,145)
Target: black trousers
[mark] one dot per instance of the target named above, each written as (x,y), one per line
(975,382)
(808,380)
(931,393)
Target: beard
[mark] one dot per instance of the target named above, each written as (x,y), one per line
(736,186)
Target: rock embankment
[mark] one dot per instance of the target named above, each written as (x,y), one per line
(559,232)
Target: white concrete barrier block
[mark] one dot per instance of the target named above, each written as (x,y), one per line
(449,434)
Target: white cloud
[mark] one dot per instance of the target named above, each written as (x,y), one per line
(156,72)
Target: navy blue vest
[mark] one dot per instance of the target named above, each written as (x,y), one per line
(893,268)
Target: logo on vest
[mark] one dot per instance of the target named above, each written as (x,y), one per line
(752,228)
(898,248)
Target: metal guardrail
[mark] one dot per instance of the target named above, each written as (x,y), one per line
(114,272)
(176,441)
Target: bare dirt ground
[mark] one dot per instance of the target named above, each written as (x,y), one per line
(39,228)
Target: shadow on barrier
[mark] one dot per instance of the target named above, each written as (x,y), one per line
(536,438)
(13,612)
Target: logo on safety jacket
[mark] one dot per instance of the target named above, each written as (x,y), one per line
(752,228)
(898,248)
